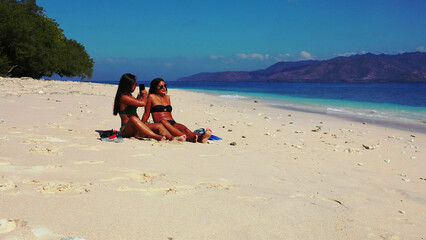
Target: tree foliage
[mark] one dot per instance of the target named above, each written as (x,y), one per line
(33,45)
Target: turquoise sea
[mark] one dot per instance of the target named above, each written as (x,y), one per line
(399,105)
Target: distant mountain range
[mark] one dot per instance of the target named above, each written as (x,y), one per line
(406,67)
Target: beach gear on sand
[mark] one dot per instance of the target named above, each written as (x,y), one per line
(110,135)
(213,137)
(201,131)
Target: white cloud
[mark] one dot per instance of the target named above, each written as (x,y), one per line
(168,64)
(420,48)
(306,55)
(284,55)
(253,56)
(257,56)
(281,57)
(115,60)
(242,55)
(346,54)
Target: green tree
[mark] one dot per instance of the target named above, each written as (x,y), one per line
(4,63)
(33,45)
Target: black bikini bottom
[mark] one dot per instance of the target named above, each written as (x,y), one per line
(171,122)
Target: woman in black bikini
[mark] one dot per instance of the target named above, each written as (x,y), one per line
(159,106)
(125,105)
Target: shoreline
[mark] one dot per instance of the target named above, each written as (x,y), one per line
(276,174)
(358,113)
(406,124)
(400,124)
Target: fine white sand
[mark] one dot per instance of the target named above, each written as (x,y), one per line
(288,175)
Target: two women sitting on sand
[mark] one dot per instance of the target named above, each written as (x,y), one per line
(159,106)
(164,127)
(125,105)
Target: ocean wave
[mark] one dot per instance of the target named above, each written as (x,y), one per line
(368,113)
(336,110)
(232,96)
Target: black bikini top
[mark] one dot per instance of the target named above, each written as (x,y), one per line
(161,108)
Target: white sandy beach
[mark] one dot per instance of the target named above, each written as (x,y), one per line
(289,175)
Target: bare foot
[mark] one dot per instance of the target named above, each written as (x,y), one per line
(192,139)
(180,138)
(160,138)
(206,135)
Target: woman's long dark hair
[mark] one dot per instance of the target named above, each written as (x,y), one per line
(124,87)
(154,84)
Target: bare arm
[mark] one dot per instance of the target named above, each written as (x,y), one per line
(147,109)
(131,101)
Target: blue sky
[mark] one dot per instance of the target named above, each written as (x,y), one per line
(177,38)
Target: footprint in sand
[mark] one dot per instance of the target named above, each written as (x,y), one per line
(51,187)
(54,166)
(325,199)
(174,189)
(114,179)
(46,140)
(88,162)
(55,125)
(143,155)
(33,182)
(4,138)
(140,177)
(94,148)
(43,233)
(7,186)
(213,186)
(165,190)
(87,147)
(254,198)
(8,225)
(45,151)
(399,192)
(389,236)
(63,188)
(403,220)
(146,178)
(34,141)
(15,132)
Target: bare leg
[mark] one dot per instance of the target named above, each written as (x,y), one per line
(174,131)
(161,129)
(135,127)
(171,129)
(190,136)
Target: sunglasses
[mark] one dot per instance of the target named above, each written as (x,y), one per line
(162,86)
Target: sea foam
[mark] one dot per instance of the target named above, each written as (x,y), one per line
(232,96)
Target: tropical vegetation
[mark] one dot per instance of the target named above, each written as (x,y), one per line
(33,45)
